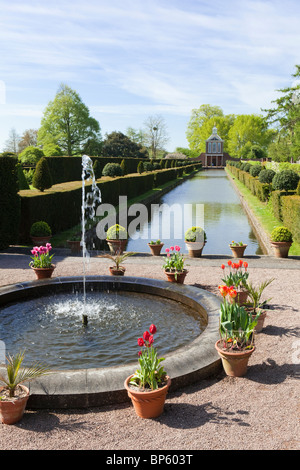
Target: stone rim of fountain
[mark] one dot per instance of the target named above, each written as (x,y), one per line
(84,388)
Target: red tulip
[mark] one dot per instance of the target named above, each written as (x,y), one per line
(152,329)
(146,335)
(223,266)
(140,342)
(229,263)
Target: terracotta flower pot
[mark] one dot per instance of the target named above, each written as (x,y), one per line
(238,251)
(281,249)
(178,277)
(41,241)
(241,297)
(260,322)
(74,245)
(117,271)
(235,364)
(195,248)
(44,273)
(117,246)
(155,248)
(150,404)
(11,411)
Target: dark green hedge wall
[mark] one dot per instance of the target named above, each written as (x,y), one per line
(9,202)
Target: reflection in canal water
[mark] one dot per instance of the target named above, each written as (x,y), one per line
(208,199)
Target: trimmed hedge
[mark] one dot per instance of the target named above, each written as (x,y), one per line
(62,209)
(260,190)
(290,210)
(10,203)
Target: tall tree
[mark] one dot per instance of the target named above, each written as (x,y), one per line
(286,116)
(195,134)
(67,123)
(12,143)
(117,144)
(248,130)
(156,134)
(28,139)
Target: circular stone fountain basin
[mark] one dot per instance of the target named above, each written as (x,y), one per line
(81,387)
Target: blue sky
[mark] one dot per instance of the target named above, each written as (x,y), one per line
(131,59)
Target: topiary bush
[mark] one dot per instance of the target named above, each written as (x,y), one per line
(23,184)
(286,180)
(255,170)
(298,189)
(140,167)
(40,229)
(266,176)
(42,177)
(116,232)
(281,234)
(112,169)
(194,234)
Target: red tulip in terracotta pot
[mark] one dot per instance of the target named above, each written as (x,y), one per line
(236,329)
(148,386)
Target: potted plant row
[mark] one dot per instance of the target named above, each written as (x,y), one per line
(41,262)
(14,394)
(174,265)
(148,386)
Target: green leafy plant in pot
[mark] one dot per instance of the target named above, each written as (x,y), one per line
(155,247)
(195,239)
(255,304)
(116,238)
(149,385)
(237,277)
(281,240)
(117,269)
(40,233)
(236,329)
(14,394)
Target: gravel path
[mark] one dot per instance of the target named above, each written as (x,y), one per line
(259,411)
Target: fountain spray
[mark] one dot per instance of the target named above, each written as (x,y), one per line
(88,211)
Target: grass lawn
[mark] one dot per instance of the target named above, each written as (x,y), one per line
(263,213)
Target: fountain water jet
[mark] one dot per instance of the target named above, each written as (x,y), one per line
(88,212)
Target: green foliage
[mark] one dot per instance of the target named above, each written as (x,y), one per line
(97,168)
(52,150)
(286,180)
(116,232)
(118,145)
(140,167)
(255,170)
(266,176)
(236,325)
(298,189)
(16,374)
(281,234)
(9,202)
(124,167)
(67,123)
(42,177)
(112,169)
(290,213)
(40,229)
(194,234)
(23,184)
(31,155)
